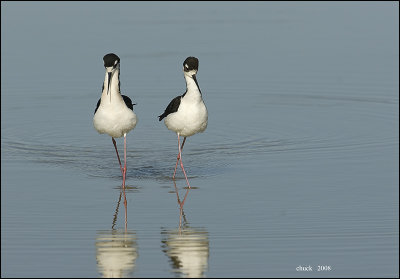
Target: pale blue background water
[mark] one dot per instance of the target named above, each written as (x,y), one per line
(298,165)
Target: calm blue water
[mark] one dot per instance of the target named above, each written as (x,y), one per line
(297,169)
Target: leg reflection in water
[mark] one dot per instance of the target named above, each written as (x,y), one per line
(186,247)
(116,249)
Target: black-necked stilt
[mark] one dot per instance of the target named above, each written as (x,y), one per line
(187,114)
(114,112)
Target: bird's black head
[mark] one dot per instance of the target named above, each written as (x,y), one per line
(110,60)
(191,63)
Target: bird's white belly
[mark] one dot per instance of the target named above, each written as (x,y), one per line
(190,119)
(114,121)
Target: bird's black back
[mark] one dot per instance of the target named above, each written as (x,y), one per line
(172,107)
(128,102)
(97,106)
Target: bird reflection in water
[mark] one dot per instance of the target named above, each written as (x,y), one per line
(116,250)
(187,247)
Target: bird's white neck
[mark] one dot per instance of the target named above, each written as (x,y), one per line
(192,89)
(114,92)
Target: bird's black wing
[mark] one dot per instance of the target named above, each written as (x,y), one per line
(172,107)
(97,106)
(128,102)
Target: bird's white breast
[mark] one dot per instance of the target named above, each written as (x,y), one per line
(190,118)
(114,119)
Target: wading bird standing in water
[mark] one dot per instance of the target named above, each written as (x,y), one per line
(186,115)
(114,112)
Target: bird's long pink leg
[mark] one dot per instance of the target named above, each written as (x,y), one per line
(177,158)
(124,170)
(116,150)
(180,158)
